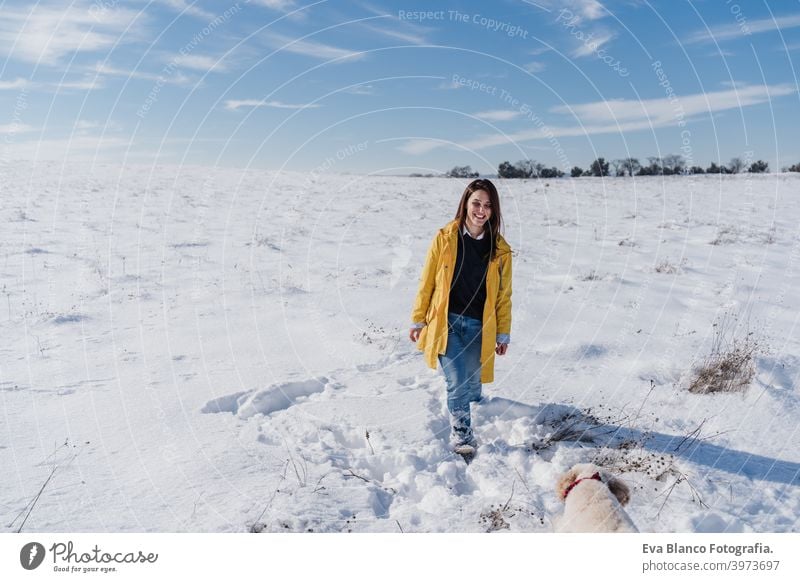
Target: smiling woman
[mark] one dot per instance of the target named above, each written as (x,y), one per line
(462,313)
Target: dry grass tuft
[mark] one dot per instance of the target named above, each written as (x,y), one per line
(726,235)
(668,268)
(592,276)
(493,519)
(731,365)
(728,371)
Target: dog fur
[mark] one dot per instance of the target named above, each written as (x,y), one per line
(592,505)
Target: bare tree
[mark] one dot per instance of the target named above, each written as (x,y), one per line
(675,163)
(461,172)
(509,170)
(599,167)
(631,166)
(552,172)
(736,165)
(655,166)
(527,168)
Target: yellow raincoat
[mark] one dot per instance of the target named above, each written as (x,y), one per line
(433,297)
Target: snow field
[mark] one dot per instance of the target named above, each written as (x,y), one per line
(206,350)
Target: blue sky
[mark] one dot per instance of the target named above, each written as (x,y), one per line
(399,87)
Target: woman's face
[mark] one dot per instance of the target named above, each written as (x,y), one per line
(479,209)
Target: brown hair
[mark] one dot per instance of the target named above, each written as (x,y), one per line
(495,222)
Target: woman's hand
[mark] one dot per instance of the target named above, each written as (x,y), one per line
(501,349)
(413,333)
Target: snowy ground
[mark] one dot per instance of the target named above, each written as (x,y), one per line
(207,350)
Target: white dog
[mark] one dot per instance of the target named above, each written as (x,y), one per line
(593,502)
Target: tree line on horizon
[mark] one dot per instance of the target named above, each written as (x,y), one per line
(671,165)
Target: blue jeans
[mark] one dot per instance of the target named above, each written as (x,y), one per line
(461,364)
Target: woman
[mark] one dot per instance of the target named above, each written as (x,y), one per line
(462,313)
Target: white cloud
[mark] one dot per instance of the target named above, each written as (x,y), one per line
(733,84)
(743,29)
(582,9)
(621,116)
(280,5)
(78,147)
(403,30)
(590,9)
(408,36)
(722,53)
(313,49)
(185,8)
(83,124)
(662,111)
(497,115)
(17,83)
(534,67)
(50,33)
(234,104)
(202,63)
(421,146)
(88,83)
(176,78)
(448,85)
(14,128)
(361,90)
(288,8)
(592,45)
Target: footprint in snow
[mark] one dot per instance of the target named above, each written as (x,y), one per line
(272,399)
(411,384)
(386,361)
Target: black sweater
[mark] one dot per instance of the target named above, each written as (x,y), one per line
(468,289)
